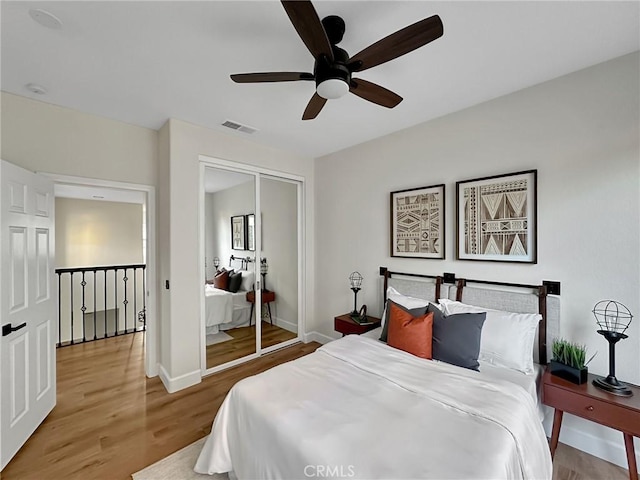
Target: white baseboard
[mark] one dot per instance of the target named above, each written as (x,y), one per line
(178,383)
(604,448)
(316,337)
(290,326)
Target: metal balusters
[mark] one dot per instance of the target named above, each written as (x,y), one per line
(111,305)
(83,309)
(71,289)
(106,334)
(115,294)
(135,297)
(59,312)
(95,328)
(125,302)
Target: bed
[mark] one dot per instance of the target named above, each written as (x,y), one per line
(225,310)
(359,408)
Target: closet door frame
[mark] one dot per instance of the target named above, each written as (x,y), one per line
(256,172)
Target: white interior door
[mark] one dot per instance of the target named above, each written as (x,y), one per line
(27,306)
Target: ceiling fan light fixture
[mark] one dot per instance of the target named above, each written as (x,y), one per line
(332,88)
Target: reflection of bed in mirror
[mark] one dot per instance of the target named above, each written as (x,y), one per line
(224,309)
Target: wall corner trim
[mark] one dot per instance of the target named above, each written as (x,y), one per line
(181,382)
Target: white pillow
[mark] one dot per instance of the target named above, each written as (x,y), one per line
(407,302)
(248,278)
(507,338)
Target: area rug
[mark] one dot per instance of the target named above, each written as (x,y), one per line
(178,466)
(219,337)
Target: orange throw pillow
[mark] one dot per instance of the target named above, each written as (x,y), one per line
(221,280)
(409,333)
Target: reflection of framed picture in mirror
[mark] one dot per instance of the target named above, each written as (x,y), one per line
(251,232)
(238,239)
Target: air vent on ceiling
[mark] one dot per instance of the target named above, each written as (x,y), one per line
(239,127)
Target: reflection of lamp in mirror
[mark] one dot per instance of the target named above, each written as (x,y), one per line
(216,263)
(355,280)
(264,268)
(613,319)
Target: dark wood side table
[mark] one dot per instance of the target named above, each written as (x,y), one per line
(267,297)
(346,325)
(591,403)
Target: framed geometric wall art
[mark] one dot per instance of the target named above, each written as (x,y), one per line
(250,228)
(496,218)
(238,236)
(417,222)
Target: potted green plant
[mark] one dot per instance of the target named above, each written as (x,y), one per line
(568,361)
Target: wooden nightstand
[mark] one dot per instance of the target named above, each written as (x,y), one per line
(267,297)
(591,403)
(346,325)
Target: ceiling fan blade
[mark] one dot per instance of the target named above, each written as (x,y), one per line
(313,107)
(271,77)
(374,93)
(397,44)
(305,19)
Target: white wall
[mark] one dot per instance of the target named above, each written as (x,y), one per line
(91,233)
(580,131)
(42,137)
(180,363)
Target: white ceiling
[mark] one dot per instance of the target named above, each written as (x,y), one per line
(144,62)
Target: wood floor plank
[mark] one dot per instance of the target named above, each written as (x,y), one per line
(111,421)
(244,343)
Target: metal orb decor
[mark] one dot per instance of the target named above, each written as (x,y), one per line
(355,280)
(613,319)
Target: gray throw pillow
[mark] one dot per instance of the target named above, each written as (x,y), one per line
(456,338)
(416,312)
(235,280)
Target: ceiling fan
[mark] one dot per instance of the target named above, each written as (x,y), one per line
(333,67)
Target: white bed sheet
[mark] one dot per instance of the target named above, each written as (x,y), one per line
(223,307)
(372,411)
(532,382)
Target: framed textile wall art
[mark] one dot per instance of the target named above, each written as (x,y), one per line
(417,222)
(238,237)
(251,231)
(496,218)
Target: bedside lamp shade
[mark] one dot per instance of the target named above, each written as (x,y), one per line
(613,319)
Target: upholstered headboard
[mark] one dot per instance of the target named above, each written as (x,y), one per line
(510,297)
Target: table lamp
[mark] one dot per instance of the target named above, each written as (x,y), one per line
(355,280)
(613,318)
(264,268)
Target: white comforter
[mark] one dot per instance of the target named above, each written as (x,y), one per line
(218,306)
(357,408)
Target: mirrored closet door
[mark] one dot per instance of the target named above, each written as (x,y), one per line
(279,260)
(229,199)
(253,269)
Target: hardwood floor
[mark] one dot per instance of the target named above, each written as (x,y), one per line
(244,343)
(111,421)
(572,464)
